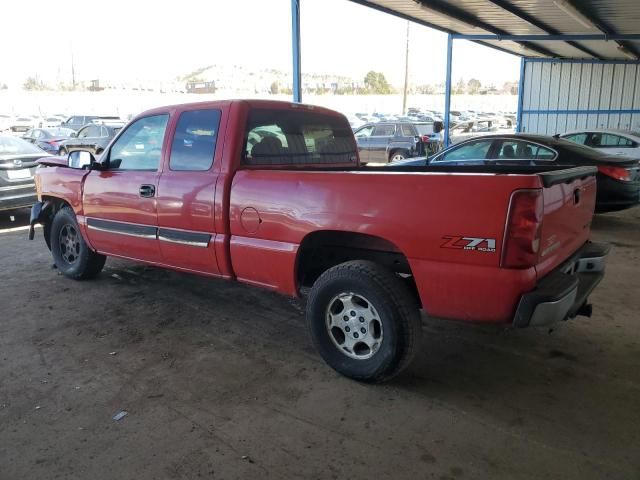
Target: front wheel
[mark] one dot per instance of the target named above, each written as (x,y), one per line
(71,254)
(363,321)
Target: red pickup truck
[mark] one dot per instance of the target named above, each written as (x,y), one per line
(273,194)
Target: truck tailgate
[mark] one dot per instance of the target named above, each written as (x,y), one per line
(569,201)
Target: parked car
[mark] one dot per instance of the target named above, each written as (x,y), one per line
(50,122)
(76,122)
(618,178)
(296,212)
(91,138)
(17,167)
(613,142)
(473,128)
(386,142)
(21,124)
(49,139)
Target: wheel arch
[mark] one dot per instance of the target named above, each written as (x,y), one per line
(322,249)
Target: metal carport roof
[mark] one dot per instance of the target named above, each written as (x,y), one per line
(595,29)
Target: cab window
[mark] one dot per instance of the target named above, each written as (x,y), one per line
(194,142)
(580,138)
(384,131)
(140,146)
(364,132)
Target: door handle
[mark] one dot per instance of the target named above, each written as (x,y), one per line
(147,190)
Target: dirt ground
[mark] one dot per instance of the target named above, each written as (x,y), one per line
(220,381)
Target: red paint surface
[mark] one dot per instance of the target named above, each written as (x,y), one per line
(413,211)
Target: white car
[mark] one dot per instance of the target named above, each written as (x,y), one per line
(614,142)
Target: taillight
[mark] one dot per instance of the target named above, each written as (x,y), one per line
(425,138)
(619,173)
(524,227)
(53,142)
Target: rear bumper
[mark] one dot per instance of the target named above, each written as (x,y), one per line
(616,195)
(563,293)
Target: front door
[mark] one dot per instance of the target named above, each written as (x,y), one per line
(120,202)
(186,228)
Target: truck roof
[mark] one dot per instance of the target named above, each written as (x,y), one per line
(251,104)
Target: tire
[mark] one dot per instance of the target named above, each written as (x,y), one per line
(380,313)
(397,156)
(71,254)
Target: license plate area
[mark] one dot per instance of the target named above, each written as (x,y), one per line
(18,174)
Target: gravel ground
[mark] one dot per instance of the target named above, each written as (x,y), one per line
(219,380)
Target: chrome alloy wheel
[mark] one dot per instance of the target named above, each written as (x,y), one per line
(69,244)
(354,326)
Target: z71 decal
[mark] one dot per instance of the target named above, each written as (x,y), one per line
(460,242)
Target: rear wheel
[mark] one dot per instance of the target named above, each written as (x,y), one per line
(363,321)
(71,254)
(397,156)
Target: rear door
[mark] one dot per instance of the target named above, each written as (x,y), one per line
(186,190)
(383,134)
(120,203)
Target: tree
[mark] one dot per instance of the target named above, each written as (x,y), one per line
(473,86)
(275,88)
(377,83)
(34,83)
(460,87)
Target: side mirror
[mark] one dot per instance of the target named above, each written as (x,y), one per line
(73,135)
(438,126)
(79,159)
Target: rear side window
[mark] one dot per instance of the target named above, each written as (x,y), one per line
(384,131)
(407,130)
(194,142)
(289,137)
(519,150)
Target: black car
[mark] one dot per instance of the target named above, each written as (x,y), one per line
(618,178)
(17,166)
(48,139)
(386,142)
(91,138)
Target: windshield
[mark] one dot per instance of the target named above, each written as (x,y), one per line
(17,146)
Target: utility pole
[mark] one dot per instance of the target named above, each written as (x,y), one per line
(73,70)
(406,73)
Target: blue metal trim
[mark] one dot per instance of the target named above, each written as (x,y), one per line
(581,60)
(447,90)
(295,50)
(544,38)
(581,112)
(520,96)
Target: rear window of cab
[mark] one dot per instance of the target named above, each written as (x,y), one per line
(289,137)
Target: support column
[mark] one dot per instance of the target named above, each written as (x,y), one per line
(447,91)
(295,50)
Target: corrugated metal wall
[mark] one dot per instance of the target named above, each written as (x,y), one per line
(563,95)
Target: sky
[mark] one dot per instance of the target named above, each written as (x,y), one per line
(160,40)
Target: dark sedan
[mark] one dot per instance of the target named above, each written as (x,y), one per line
(17,166)
(91,138)
(618,178)
(48,139)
